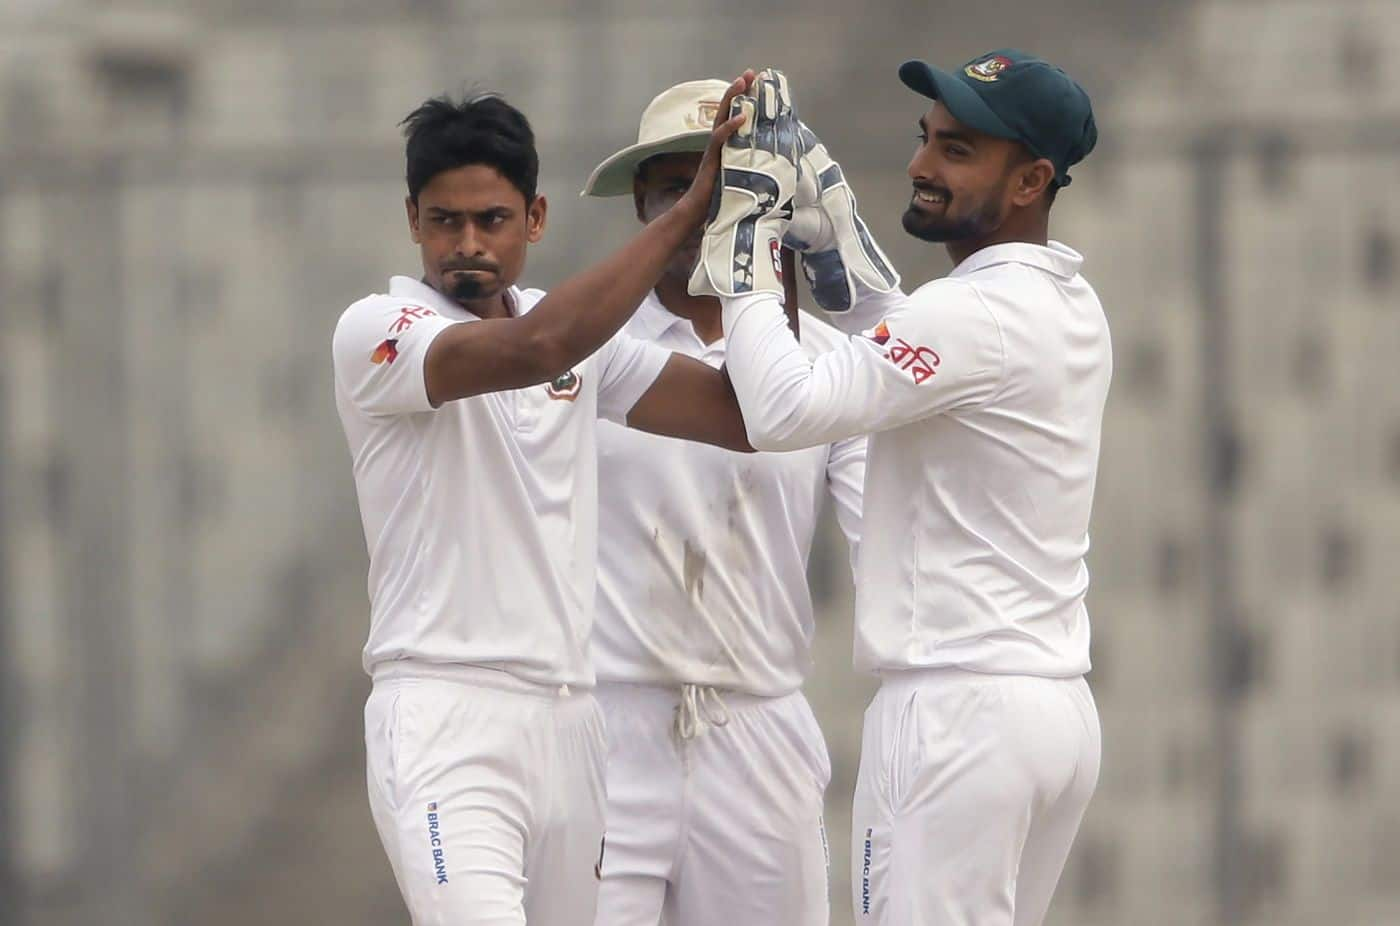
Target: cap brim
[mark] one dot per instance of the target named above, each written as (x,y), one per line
(613,177)
(961,100)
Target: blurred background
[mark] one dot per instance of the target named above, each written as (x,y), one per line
(191,192)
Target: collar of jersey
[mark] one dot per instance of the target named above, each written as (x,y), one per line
(422,292)
(652,319)
(1054,258)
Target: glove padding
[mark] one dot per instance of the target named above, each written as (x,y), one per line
(741,251)
(838,251)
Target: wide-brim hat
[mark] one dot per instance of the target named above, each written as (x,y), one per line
(680,119)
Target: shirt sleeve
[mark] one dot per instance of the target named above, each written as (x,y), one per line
(867,311)
(626,367)
(939,350)
(845,481)
(378,351)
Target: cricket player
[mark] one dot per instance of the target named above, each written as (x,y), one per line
(716,766)
(983,393)
(470,408)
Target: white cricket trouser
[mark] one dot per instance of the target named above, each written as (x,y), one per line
(721,828)
(970,792)
(487,792)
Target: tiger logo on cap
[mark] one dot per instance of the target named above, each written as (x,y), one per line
(988,69)
(704,116)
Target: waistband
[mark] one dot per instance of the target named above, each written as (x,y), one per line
(478,676)
(671,695)
(903,679)
(694,708)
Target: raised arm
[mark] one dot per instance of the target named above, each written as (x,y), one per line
(581,313)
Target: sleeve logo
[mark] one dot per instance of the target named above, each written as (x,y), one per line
(919,361)
(386,352)
(407,316)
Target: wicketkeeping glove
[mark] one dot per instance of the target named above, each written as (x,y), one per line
(837,249)
(740,253)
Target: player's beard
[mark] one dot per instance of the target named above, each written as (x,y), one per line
(471,287)
(943,227)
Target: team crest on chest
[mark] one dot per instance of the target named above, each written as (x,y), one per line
(565,387)
(989,69)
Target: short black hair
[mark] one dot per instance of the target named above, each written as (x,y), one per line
(444,134)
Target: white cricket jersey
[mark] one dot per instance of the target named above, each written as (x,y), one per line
(984,394)
(702,571)
(480,516)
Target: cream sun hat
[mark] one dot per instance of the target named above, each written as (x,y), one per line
(679,119)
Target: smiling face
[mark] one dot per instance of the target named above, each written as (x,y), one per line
(966,182)
(472,226)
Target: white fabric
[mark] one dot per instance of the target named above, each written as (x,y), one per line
(869,308)
(480,516)
(487,793)
(970,792)
(701,706)
(702,568)
(721,829)
(984,393)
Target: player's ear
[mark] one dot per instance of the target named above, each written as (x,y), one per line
(534,218)
(1034,178)
(412,208)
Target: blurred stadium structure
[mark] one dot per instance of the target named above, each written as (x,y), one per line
(191,192)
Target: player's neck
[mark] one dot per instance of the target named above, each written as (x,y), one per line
(1030,228)
(702,311)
